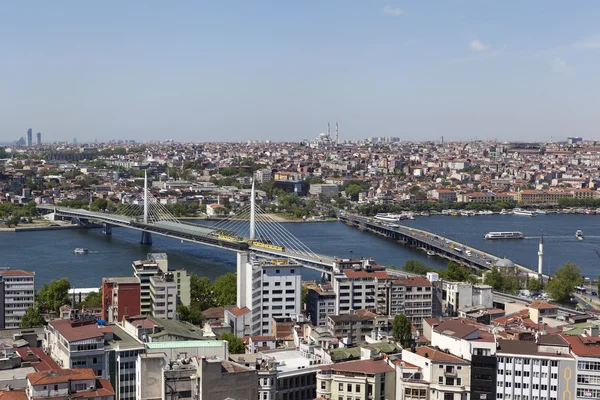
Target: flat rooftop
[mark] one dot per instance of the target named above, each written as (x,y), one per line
(289,360)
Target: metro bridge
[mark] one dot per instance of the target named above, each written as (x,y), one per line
(250,229)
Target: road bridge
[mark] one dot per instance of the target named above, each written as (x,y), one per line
(430,242)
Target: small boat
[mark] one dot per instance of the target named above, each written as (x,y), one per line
(505,212)
(541,212)
(80,250)
(430,253)
(579,235)
(425,214)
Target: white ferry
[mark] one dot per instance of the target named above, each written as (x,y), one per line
(504,235)
(525,213)
(389,217)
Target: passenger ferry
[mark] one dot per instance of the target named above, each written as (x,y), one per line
(504,235)
(525,213)
(389,217)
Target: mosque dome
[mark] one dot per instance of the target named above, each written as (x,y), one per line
(504,263)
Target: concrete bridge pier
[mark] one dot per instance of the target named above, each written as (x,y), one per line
(325,277)
(107,228)
(146,238)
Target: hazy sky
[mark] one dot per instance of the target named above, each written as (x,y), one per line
(279,70)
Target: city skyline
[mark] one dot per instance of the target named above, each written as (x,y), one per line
(264,71)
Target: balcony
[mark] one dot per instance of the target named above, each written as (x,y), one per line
(450,372)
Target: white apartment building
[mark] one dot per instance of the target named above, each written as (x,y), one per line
(144,270)
(535,370)
(268,288)
(458,296)
(263,175)
(586,350)
(359,288)
(17,290)
(163,295)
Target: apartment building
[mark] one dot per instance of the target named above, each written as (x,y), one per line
(143,270)
(120,298)
(535,370)
(585,348)
(413,297)
(446,195)
(154,273)
(80,383)
(17,291)
(458,296)
(268,288)
(473,342)
(444,375)
(361,379)
(78,343)
(320,302)
(163,295)
(359,288)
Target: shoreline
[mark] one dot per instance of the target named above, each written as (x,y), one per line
(38,228)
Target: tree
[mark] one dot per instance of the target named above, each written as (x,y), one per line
(190,314)
(236,345)
(93,300)
(401,330)
(225,289)
(31,318)
(564,281)
(502,283)
(534,285)
(202,292)
(457,273)
(416,267)
(54,295)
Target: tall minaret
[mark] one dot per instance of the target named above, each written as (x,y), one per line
(328,129)
(337,134)
(540,256)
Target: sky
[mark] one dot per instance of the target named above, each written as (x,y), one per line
(280,70)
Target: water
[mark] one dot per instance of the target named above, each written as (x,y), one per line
(50,253)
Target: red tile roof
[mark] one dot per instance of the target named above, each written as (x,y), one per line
(16,272)
(13,395)
(60,376)
(73,334)
(238,312)
(413,281)
(40,360)
(584,345)
(542,305)
(437,355)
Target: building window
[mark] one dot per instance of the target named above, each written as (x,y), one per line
(341,387)
(349,388)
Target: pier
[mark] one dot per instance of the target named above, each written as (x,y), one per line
(438,245)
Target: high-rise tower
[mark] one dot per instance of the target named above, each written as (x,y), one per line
(29,137)
(38,139)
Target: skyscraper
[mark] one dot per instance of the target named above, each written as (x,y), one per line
(38,139)
(29,137)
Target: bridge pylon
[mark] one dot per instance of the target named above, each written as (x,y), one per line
(252,212)
(145,196)
(146,238)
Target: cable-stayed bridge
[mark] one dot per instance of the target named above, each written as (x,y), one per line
(250,229)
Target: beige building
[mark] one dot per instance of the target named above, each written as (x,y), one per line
(412,297)
(447,376)
(357,380)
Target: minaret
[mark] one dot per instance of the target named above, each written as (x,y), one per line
(540,256)
(328,129)
(337,134)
